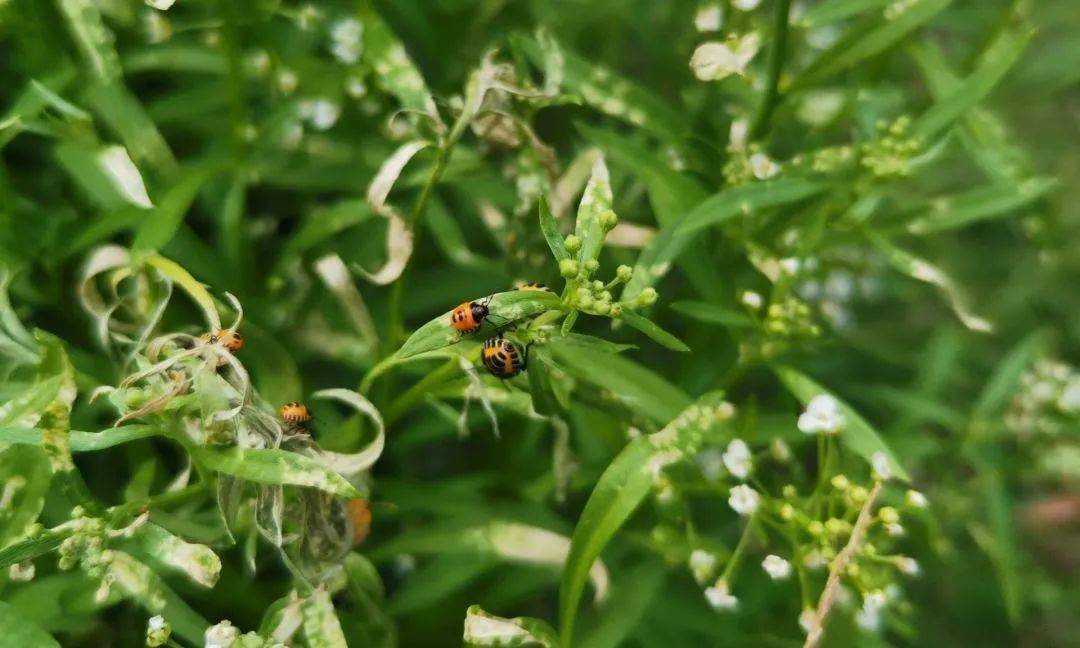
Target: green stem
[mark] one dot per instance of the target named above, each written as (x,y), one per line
(736,555)
(777,54)
(405,402)
(237,103)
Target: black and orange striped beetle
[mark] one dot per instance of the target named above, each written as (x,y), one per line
(539,287)
(295,413)
(503,358)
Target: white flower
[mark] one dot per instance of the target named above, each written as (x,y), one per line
(907,566)
(790,266)
(751,299)
(814,560)
(22,572)
(157,631)
(737,459)
(714,60)
(807,619)
(345,37)
(322,113)
(287,81)
(291,136)
(916,499)
(702,564)
(1069,401)
(221,635)
(894,529)
(744,500)
(745,5)
(719,597)
(822,415)
(882,466)
(161,5)
(738,134)
(763,167)
(820,107)
(776,567)
(156,623)
(709,18)
(356,88)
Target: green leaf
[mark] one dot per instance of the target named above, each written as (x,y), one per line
(623,486)
(194,288)
(550,228)
(856,433)
(115,105)
(712,314)
(1005,379)
(992,201)
(17,631)
(744,200)
(830,11)
(640,389)
(196,561)
(26,476)
(543,396)
(141,584)
(92,37)
(273,466)
(484,629)
(161,224)
(31,402)
(595,201)
(867,40)
(998,58)
(321,626)
(651,329)
(922,270)
(394,70)
(30,548)
(504,307)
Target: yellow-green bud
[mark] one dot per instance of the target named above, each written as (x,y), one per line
(647,297)
(787,511)
(840,482)
(889,515)
(157,632)
(624,272)
(568,268)
(598,285)
(604,295)
(608,220)
(853,570)
(585,301)
(573,243)
(858,495)
(602,307)
(591,265)
(616,310)
(789,491)
(815,528)
(836,526)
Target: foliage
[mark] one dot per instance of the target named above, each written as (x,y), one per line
(807,308)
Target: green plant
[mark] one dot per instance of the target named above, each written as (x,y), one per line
(772,323)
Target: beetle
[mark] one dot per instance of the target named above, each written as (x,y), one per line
(503,358)
(295,413)
(468,317)
(228,338)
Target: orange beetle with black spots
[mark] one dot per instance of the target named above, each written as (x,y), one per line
(228,338)
(295,413)
(468,317)
(502,358)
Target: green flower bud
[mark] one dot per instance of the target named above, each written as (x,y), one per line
(591,266)
(598,285)
(787,511)
(836,526)
(603,295)
(616,310)
(573,244)
(853,570)
(568,268)
(585,301)
(889,515)
(608,220)
(858,495)
(840,482)
(789,491)
(157,631)
(815,528)
(602,307)
(624,272)
(647,297)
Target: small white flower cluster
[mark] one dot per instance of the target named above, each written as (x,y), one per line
(737,459)
(720,598)
(715,60)
(709,17)
(702,565)
(345,40)
(221,635)
(744,500)
(322,113)
(776,567)
(1048,400)
(822,416)
(157,631)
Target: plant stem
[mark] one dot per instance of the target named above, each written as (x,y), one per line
(736,555)
(840,563)
(777,54)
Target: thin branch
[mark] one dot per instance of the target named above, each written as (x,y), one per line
(832,585)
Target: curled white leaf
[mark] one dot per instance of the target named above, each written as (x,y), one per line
(333,272)
(714,60)
(354,463)
(115,162)
(529,544)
